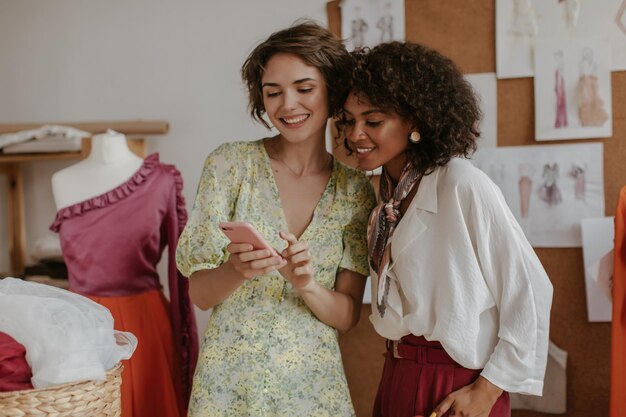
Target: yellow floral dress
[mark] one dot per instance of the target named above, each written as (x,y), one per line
(264,352)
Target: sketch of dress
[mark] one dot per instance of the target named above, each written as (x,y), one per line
(385,24)
(619,16)
(524,21)
(572,12)
(590,106)
(549,191)
(358,27)
(578,173)
(559,89)
(525,184)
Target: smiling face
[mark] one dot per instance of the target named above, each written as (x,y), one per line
(295,98)
(378,138)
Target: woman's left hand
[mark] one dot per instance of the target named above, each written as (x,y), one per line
(473,400)
(299,270)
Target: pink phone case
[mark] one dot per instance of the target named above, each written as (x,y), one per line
(243,232)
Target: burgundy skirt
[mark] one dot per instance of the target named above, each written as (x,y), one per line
(419,375)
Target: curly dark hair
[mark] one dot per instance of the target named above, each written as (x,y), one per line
(426,88)
(316,46)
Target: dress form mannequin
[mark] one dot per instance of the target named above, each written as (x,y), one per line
(109,164)
(117,214)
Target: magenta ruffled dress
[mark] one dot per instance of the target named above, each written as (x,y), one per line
(112,244)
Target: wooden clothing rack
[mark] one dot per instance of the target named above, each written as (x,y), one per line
(10,166)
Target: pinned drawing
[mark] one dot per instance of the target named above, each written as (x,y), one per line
(572,89)
(549,188)
(620,16)
(385,24)
(366,23)
(578,173)
(520,23)
(571,13)
(486,89)
(523,19)
(597,235)
(590,106)
(559,90)
(525,184)
(549,191)
(358,28)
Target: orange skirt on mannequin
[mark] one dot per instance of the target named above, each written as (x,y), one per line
(151,377)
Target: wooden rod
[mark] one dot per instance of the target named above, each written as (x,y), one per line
(132,127)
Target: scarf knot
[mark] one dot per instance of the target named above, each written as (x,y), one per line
(392,212)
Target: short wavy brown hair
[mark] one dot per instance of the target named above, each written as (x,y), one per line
(316,46)
(426,88)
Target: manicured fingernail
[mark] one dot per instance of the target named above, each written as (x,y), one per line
(433,414)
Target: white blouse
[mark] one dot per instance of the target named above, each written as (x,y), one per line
(463,274)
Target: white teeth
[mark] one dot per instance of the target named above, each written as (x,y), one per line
(363,150)
(297,119)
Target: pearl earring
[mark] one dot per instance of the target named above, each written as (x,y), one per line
(415,136)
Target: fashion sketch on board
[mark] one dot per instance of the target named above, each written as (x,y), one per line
(520,24)
(590,106)
(572,87)
(559,90)
(571,13)
(525,184)
(485,85)
(359,27)
(619,17)
(578,173)
(385,24)
(517,25)
(549,188)
(550,191)
(524,19)
(366,23)
(598,236)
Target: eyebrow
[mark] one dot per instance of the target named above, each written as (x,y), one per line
(368,112)
(300,81)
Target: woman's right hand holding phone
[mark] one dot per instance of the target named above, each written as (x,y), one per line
(250,263)
(209,287)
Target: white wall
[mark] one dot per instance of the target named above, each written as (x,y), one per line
(88,60)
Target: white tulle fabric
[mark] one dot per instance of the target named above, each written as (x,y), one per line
(67,336)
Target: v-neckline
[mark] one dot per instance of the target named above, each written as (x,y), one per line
(322,203)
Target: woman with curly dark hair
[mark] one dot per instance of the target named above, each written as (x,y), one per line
(456,288)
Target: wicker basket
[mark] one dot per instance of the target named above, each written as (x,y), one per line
(76,399)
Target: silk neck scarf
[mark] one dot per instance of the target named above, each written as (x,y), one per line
(382,223)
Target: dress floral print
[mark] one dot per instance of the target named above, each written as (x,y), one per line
(264,352)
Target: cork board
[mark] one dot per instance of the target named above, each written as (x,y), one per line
(465,31)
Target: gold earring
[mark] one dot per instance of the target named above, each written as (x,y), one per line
(415,136)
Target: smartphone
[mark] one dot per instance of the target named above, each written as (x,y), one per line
(244,232)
